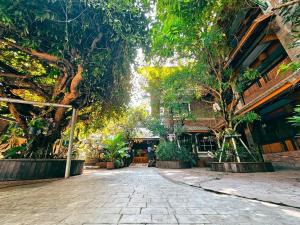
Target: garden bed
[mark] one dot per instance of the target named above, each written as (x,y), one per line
(172,165)
(243,167)
(31,169)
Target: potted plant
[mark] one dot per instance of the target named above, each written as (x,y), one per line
(115,150)
(102,160)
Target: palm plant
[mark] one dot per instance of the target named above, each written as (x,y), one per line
(116,147)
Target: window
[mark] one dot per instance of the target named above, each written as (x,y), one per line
(206,144)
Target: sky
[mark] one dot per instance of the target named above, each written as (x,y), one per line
(138,95)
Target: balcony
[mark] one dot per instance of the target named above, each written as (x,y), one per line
(265,83)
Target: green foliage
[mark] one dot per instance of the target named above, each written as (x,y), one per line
(291,15)
(88,148)
(117,164)
(295,120)
(115,147)
(247,118)
(263,4)
(230,156)
(13,131)
(15,152)
(290,67)
(156,127)
(246,78)
(169,151)
(126,122)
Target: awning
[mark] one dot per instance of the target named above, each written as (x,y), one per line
(195,129)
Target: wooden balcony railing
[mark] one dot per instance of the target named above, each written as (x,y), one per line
(265,83)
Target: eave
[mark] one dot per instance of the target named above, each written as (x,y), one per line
(256,25)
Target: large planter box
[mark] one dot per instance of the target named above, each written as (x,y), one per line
(32,169)
(243,167)
(172,165)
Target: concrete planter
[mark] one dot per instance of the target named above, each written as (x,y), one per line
(32,169)
(172,164)
(243,167)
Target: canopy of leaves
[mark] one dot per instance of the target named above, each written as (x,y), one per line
(69,52)
(127,123)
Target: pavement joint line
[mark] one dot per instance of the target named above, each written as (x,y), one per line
(223,193)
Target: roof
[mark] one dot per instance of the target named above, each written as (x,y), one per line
(144,133)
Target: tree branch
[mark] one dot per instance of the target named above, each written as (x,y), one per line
(12,75)
(285,5)
(95,42)
(72,95)
(39,55)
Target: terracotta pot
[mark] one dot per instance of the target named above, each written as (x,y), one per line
(103,164)
(110,165)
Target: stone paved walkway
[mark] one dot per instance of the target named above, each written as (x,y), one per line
(131,196)
(280,187)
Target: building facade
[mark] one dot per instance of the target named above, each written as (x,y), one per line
(263,43)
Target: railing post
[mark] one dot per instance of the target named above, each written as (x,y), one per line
(70,147)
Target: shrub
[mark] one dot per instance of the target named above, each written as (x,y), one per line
(117,163)
(169,151)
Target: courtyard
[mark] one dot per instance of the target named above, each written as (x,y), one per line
(132,196)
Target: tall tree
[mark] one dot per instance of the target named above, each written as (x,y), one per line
(197,31)
(68,52)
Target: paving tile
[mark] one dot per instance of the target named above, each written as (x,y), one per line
(131,210)
(136,204)
(133,196)
(191,219)
(135,218)
(203,211)
(164,219)
(156,210)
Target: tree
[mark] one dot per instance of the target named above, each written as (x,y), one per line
(126,123)
(68,52)
(173,89)
(197,32)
